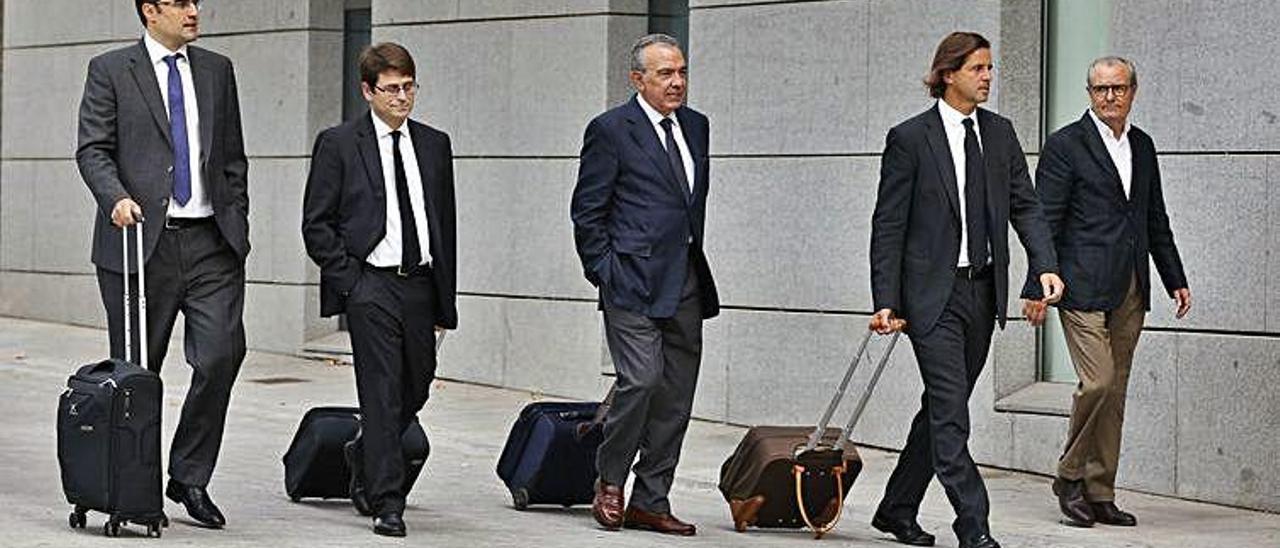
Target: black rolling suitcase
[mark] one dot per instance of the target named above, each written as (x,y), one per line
(550,454)
(314,465)
(109,433)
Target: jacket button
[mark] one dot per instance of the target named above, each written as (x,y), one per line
(164,201)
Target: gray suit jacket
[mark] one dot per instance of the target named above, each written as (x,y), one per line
(124,148)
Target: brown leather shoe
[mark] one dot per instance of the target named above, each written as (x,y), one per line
(607,506)
(666,524)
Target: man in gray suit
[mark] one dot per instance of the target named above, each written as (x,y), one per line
(160,138)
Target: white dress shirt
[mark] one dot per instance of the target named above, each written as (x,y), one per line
(655,118)
(953,123)
(1119,150)
(387,252)
(199,204)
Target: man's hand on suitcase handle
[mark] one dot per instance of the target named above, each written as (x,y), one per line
(126,213)
(884,323)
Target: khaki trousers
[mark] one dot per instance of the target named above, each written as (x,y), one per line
(1101,346)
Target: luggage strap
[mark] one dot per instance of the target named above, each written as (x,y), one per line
(797,470)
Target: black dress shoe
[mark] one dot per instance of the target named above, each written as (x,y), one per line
(351,451)
(199,506)
(981,541)
(390,524)
(1107,513)
(1077,511)
(905,531)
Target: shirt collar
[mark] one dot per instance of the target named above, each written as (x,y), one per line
(953,117)
(1105,130)
(381,129)
(655,117)
(158,52)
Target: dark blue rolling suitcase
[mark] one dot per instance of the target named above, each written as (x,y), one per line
(550,455)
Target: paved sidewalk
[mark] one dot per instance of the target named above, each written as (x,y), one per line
(459,501)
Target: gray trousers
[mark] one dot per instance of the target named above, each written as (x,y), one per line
(195,271)
(657,363)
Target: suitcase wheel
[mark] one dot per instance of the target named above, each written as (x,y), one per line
(153,530)
(111,528)
(77,519)
(520,498)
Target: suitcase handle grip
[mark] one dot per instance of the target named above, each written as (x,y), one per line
(838,471)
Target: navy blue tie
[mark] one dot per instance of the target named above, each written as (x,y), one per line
(178,132)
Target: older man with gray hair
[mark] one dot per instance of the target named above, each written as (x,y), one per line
(1099,182)
(638,212)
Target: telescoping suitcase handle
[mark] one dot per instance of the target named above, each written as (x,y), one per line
(816,436)
(142,297)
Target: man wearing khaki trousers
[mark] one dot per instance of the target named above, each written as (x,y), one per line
(1099,183)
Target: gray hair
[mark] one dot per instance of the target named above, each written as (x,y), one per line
(637,49)
(1112,61)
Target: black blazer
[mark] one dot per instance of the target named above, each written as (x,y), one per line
(915,229)
(344,211)
(124,148)
(1102,237)
(636,227)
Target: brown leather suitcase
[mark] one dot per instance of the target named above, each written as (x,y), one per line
(798,476)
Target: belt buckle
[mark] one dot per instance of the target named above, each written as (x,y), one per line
(401,272)
(170,225)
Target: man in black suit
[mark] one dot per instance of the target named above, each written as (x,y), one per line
(160,138)
(379,219)
(951,180)
(1100,185)
(638,212)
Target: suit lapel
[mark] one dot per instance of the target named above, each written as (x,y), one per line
(427,171)
(937,139)
(145,76)
(692,142)
(367,147)
(202,79)
(1093,142)
(644,135)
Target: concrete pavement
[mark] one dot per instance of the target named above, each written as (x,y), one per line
(459,501)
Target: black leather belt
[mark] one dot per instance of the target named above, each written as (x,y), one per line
(974,272)
(420,271)
(179,223)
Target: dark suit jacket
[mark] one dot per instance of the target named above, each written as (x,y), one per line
(344,211)
(1102,237)
(915,230)
(636,227)
(125,150)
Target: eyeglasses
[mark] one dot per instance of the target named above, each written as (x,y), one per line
(1119,90)
(181,4)
(394,90)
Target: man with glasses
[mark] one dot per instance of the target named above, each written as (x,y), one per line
(160,138)
(378,218)
(1100,185)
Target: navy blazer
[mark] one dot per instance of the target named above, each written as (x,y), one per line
(915,230)
(1103,238)
(636,227)
(344,213)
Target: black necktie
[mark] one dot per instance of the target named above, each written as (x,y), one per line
(410,252)
(673,154)
(975,196)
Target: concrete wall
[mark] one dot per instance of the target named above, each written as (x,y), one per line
(800,95)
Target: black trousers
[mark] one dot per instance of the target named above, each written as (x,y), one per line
(392,324)
(657,361)
(950,356)
(194,271)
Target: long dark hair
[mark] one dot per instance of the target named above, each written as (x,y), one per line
(952,52)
